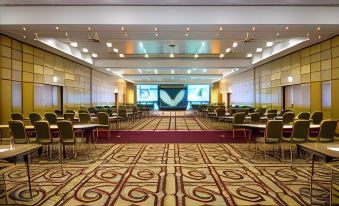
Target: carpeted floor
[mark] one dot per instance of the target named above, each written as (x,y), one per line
(168,174)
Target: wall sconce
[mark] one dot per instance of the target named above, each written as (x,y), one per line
(55,79)
(116,90)
(290,79)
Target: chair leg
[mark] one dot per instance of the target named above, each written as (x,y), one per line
(233,134)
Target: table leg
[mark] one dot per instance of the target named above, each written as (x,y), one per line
(28,174)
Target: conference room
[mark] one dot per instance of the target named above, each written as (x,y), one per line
(169,103)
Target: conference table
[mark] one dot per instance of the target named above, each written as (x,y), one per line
(329,152)
(12,151)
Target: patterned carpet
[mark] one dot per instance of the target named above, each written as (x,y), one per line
(168,174)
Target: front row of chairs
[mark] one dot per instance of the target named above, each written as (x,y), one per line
(300,134)
(43,135)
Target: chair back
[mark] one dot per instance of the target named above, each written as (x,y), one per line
(33,117)
(58,112)
(255,117)
(300,131)
(304,115)
(83,111)
(273,132)
(220,112)
(271,115)
(69,116)
(317,117)
(261,111)
(103,118)
(288,117)
(122,112)
(85,118)
(239,118)
(51,117)
(92,110)
(42,130)
(18,131)
(66,131)
(70,111)
(17,116)
(327,131)
(272,111)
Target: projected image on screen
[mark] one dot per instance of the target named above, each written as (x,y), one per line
(198,93)
(147,93)
(172,97)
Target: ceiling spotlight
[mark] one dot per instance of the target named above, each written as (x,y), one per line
(286,28)
(24,28)
(236,69)
(253,28)
(55,79)
(140,71)
(126,34)
(36,36)
(187,29)
(232,70)
(221,55)
(156,34)
(308,36)
(319,37)
(220,28)
(57,28)
(318,29)
(155,71)
(115,50)
(84,50)
(74,44)
(89,28)
(290,79)
(109,44)
(235,44)
(66,34)
(155,29)
(122,28)
(172,71)
(258,50)
(217,34)
(94,55)
(24,36)
(121,55)
(108,69)
(146,56)
(269,43)
(196,56)
(188,71)
(228,50)
(277,34)
(171,55)
(204,70)
(186,34)
(249,55)
(141,44)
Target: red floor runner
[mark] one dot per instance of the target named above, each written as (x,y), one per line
(171,137)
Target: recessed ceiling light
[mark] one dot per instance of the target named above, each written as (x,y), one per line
(232,70)
(277,34)
(290,79)
(228,50)
(66,33)
(319,37)
(221,55)
(139,70)
(286,28)
(217,34)
(258,50)
(55,79)
(121,55)
(109,44)
(122,28)
(94,55)
(253,28)
(188,71)
(57,28)
(235,44)
(236,69)
(187,29)
(24,36)
(318,29)
(115,50)
(36,36)
(146,56)
(24,28)
(141,44)
(89,28)
(269,43)
(156,34)
(74,44)
(108,69)
(155,71)
(126,34)
(156,29)
(172,71)
(220,28)
(204,70)
(186,34)
(196,56)
(84,50)
(171,55)
(249,55)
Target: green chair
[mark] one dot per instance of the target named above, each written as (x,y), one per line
(336,133)
(51,118)
(273,135)
(18,132)
(238,118)
(103,120)
(70,111)
(288,118)
(122,115)
(255,117)
(69,116)
(300,133)
(326,132)
(58,112)
(17,116)
(304,115)
(45,138)
(271,116)
(33,117)
(85,118)
(67,137)
(83,111)
(316,117)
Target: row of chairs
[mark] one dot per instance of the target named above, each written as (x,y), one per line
(300,134)
(43,135)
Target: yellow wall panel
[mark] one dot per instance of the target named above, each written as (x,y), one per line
(5,51)
(5,100)
(315,67)
(305,52)
(38,69)
(326,54)
(27,58)
(305,69)
(27,49)
(6,41)
(27,77)
(315,96)
(325,75)
(16,45)
(315,76)
(38,52)
(335,62)
(335,73)
(38,60)
(335,41)
(17,65)
(27,96)
(335,51)
(325,65)
(27,67)
(295,59)
(16,75)
(5,73)
(38,78)
(315,49)
(305,60)
(16,55)
(325,45)
(335,99)
(5,62)
(315,57)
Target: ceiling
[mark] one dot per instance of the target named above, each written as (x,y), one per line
(169,2)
